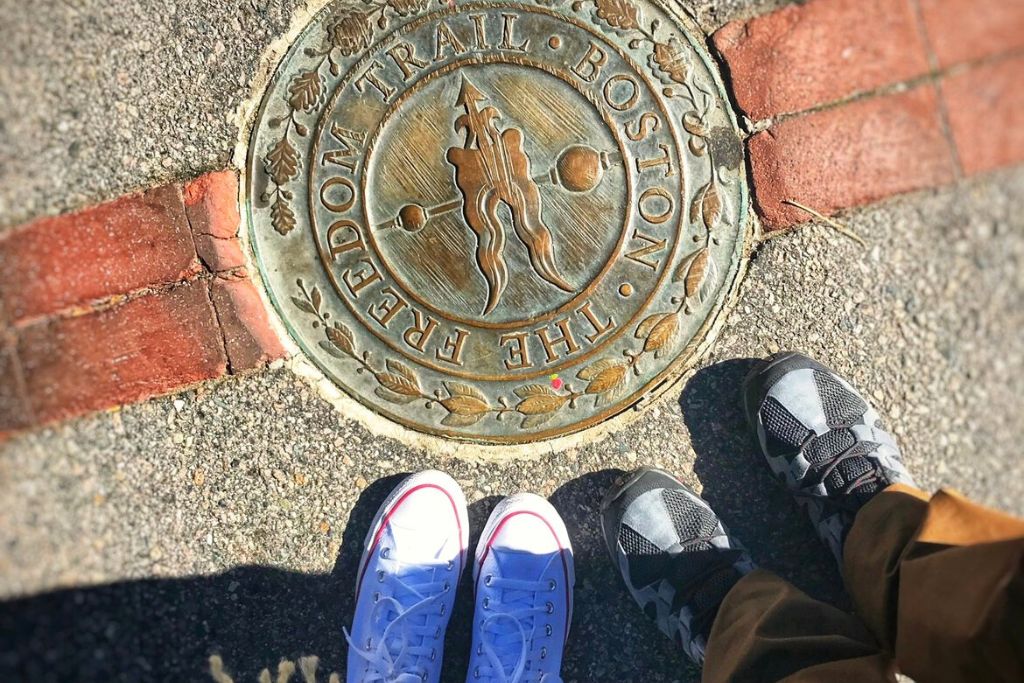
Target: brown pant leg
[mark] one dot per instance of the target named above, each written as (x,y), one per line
(767,630)
(940,582)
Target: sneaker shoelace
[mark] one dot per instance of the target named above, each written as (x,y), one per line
(841,498)
(509,638)
(409,641)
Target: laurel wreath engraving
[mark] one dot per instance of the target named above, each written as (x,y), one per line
(462,404)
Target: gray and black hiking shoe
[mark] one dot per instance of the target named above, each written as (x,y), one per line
(822,439)
(675,555)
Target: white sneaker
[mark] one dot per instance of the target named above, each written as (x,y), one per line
(405,588)
(524,578)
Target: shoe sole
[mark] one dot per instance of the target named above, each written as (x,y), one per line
(427,478)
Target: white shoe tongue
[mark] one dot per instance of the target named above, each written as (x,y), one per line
(519,565)
(415,545)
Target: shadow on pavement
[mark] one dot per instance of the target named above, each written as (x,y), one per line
(166,629)
(739,486)
(254,616)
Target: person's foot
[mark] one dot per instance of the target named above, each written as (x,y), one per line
(524,579)
(823,439)
(676,556)
(405,588)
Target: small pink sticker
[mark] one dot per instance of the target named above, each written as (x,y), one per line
(556,383)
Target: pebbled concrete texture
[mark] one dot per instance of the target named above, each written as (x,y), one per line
(101,98)
(230,519)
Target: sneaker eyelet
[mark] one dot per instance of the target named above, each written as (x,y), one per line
(385,553)
(376,596)
(369,644)
(437,632)
(447,586)
(551,607)
(479,649)
(552,585)
(486,602)
(488,579)
(451,565)
(380,576)
(476,672)
(444,609)
(543,653)
(433,655)
(547,629)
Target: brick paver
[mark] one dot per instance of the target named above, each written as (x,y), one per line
(803,56)
(848,156)
(248,336)
(986,114)
(967,30)
(103,251)
(211,204)
(141,348)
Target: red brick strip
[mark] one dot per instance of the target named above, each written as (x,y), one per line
(853,155)
(969,30)
(146,346)
(819,79)
(803,56)
(115,248)
(211,204)
(986,114)
(135,298)
(249,339)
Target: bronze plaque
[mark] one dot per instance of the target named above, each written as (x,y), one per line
(497,221)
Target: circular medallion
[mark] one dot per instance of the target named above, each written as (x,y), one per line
(497,221)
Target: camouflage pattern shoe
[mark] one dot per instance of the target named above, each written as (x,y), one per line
(822,439)
(675,555)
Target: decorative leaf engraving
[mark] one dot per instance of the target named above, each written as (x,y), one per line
(604,376)
(282,217)
(455,419)
(711,206)
(669,58)
(706,206)
(692,268)
(350,33)
(303,305)
(399,379)
(389,395)
(465,405)
(282,162)
(340,337)
(538,399)
(459,389)
(306,90)
(618,13)
(698,272)
(644,328)
(404,8)
(662,334)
